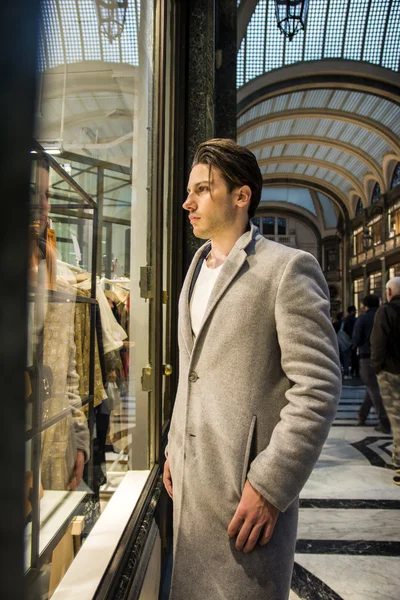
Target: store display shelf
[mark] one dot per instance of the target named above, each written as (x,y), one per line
(57,508)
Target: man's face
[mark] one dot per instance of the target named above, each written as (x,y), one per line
(212,209)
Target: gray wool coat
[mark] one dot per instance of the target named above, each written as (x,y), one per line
(258,391)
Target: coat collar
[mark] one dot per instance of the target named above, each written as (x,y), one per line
(231,267)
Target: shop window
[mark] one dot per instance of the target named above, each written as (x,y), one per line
(359,207)
(394,220)
(358,246)
(88,417)
(376,193)
(375,231)
(358,293)
(394,271)
(375,283)
(396,177)
(268,225)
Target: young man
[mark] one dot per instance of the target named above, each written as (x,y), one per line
(385,359)
(258,388)
(361,339)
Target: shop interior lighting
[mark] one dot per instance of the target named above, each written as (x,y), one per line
(291,16)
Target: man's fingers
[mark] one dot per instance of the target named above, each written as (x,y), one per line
(253,538)
(234,526)
(267,534)
(243,535)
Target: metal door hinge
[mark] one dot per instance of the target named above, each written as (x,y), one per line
(146,288)
(147,378)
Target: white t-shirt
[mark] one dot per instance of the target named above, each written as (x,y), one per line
(201,295)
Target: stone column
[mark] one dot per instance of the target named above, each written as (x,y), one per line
(225,103)
(200,94)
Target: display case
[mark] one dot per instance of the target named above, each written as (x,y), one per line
(64,383)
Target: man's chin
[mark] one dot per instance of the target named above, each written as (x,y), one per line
(202,235)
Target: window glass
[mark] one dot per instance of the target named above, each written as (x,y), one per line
(268,225)
(281,226)
(87,412)
(358,293)
(396,176)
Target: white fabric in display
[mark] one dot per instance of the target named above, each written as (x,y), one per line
(201,295)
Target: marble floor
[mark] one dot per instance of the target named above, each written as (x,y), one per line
(348,545)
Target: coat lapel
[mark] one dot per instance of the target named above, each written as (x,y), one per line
(232,266)
(184,317)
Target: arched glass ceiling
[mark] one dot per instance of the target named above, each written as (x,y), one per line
(70,34)
(299,196)
(362,30)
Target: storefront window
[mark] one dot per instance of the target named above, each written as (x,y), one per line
(358,247)
(89,334)
(394,271)
(375,283)
(375,230)
(394,220)
(358,293)
(396,177)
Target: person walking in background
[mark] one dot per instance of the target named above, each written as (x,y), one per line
(337,321)
(385,360)
(348,327)
(361,339)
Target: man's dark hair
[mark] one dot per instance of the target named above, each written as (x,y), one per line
(237,164)
(371,301)
(351,308)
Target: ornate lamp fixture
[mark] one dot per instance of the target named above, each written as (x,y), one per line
(112,15)
(291,16)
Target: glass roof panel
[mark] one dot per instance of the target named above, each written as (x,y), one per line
(255,42)
(365,30)
(299,196)
(329,211)
(71,34)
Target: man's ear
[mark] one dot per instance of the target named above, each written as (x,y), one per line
(244,196)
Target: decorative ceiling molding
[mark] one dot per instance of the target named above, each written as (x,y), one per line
(307,181)
(334,74)
(299,160)
(337,115)
(368,161)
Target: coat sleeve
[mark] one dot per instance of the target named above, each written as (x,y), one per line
(380,337)
(309,358)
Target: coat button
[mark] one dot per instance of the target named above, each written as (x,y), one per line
(193,377)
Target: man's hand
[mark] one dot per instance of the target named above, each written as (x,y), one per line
(78,471)
(254,520)
(167,479)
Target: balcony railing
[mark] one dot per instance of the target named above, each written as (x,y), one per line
(376,251)
(287,240)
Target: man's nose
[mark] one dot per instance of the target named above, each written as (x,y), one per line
(189,203)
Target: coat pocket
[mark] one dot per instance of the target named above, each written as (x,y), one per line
(249,451)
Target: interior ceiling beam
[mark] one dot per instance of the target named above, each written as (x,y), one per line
(355,151)
(317,113)
(309,181)
(299,160)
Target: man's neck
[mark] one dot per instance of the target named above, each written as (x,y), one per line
(222,244)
